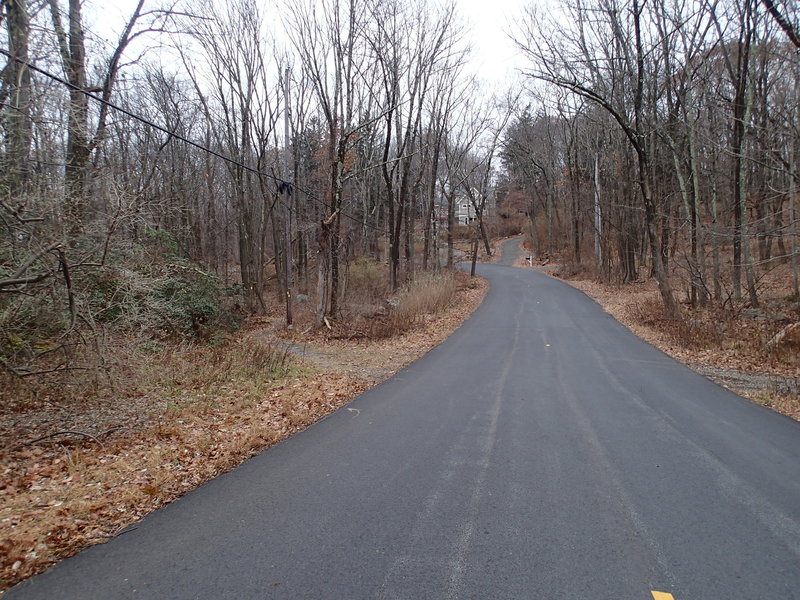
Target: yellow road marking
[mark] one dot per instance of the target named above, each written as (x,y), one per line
(662,596)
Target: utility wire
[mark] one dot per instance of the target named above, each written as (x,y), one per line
(172,134)
(281,184)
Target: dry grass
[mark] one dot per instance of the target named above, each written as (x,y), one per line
(367,280)
(187,414)
(428,294)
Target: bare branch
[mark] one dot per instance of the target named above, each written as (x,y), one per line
(784,23)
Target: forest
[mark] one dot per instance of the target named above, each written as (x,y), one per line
(204,167)
(219,160)
(672,146)
(220,221)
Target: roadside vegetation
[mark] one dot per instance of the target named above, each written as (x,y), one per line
(208,242)
(84,459)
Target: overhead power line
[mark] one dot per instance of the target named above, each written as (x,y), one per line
(281,184)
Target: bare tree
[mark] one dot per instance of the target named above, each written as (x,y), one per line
(410,43)
(788,27)
(602,55)
(446,94)
(467,122)
(242,110)
(15,94)
(329,41)
(479,172)
(81,142)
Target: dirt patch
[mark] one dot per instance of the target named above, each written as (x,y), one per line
(77,475)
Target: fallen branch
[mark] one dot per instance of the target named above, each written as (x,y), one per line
(57,433)
(17,213)
(59,369)
(62,259)
(112,430)
(781,335)
(5,283)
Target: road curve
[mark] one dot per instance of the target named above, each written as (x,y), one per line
(541,452)
(510,251)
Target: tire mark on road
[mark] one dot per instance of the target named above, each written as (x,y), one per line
(401,575)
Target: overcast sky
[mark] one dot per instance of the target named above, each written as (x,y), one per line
(494,56)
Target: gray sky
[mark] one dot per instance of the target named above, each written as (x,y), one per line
(494,57)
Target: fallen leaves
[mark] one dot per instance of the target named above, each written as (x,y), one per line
(100,489)
(61,494)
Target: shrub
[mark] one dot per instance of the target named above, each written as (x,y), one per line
(366,280)
(175,297)
(203,367)
(426,295)
(161,241)
(28,323)
(186,306)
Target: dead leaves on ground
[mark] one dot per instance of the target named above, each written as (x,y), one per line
(57,498)
(67,492)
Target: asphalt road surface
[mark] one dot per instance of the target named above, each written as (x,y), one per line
(541,452)
(510,251)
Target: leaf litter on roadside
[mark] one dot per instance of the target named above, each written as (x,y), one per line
(62,493)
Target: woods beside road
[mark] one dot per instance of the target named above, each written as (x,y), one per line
(188,203)
(481,470)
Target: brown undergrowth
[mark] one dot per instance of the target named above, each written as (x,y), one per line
(345,348)
(75,475)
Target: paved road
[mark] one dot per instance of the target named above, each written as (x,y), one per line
(510,251)
(541,452)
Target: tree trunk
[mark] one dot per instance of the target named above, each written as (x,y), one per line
(659,271)
(698,249)
(18,83)
(323,266)
(451,225)
(409,237)
(650,208)
(431,206)
(335,228)
(793,230)
(474,253)
(487,245)
(78,155)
